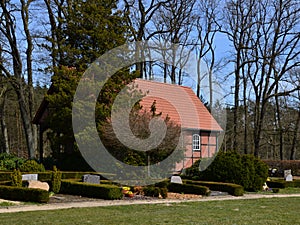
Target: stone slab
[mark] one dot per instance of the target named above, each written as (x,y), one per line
(176,179)
(30,177)
(89,178)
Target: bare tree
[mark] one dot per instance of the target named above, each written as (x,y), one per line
(12,53)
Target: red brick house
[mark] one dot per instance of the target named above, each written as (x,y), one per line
(180,103)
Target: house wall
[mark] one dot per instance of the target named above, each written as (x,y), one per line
(208,146)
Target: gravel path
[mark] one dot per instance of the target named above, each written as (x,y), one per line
(98,203)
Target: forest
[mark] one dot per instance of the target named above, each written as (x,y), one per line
(249,47)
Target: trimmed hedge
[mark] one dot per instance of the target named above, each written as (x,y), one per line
(232,189)
(154,191)
(282,165)
(47,175)
(283,184)
(230,167)
(24,194)
(5,176)
(103,191)
(188,189)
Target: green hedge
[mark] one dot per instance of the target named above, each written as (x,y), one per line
(230,167)
(5,176)
(154,191)
(102,191)
(47,175)
(283,184)
(188,189)
(232,189)
(24,194)
(282,165)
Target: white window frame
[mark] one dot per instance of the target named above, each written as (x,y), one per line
(196,142)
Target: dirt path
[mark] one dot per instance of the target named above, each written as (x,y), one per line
(100,203)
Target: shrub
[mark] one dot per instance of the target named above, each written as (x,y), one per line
(154,191)
(163,184)
(282,165)
(283,184)
(102,191)
(10,162)
(5,176)
(231,167)
(164,192)
(151,191)
(24,194)
(56,180)
(32,166)
(232,189)
(189,189)
(16,178)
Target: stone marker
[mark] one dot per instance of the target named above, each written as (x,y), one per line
(289,177)
(176,179)
(30,177)
(38,184)
(93,179)
(287,172)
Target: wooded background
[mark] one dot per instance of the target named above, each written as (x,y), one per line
(250,47)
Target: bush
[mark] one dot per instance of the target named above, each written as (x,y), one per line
(189,189)
(231,167)
(10,162)
(282,165)
(151,191)
(103,191)
(283,184)
(163,184)
(154,191)
(24,194)
(164,192)
(32,166)
(232,189)
(78,175)
(5,176)
(16,178)
(55,180)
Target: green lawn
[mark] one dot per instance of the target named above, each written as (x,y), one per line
(259,211)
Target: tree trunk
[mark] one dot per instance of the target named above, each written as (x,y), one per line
(3,124)
(26,121)
(293,147)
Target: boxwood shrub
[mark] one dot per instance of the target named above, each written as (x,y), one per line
(230,167)
(24,194)
(232,189)
(188,189)
(102,191)
(283,184)
(5,176)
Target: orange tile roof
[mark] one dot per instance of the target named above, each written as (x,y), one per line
(178,102)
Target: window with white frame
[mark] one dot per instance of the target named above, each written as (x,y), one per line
(196,142)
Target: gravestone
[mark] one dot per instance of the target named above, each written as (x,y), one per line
(38,184)
(287,172)
(176,179)
(289,177)
(30,177)
(93,179)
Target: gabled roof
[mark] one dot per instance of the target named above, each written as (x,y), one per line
(178,102)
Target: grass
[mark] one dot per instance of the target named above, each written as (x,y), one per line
(254,211)
(5,204)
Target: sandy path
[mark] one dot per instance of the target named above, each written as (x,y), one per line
(99,203)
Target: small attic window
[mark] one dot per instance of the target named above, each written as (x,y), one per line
(196,142)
